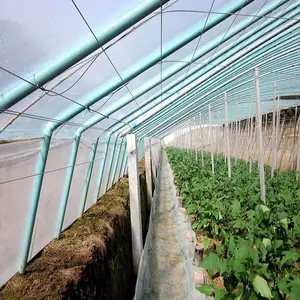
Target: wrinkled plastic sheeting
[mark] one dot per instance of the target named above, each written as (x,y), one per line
(186,240)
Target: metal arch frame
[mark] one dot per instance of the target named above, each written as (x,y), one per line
(210,88)
(81,51)
(143,105)
(158,95)
(89,100)
(50,128)
(167,97)
(189,115)
(151,84)
(164,115)
(196,98)
(161,123)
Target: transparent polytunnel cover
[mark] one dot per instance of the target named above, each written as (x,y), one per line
(76,76)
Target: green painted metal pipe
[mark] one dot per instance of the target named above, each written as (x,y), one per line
(51,127)
(154,104)
(138,68)
(88,177)
(111,163)
(67,60)
(102,166)
(156,58)
(119,172)
(245,40)
(67,187)
(117,163)
(53,70)
(160,126)
(248,39)
(124,172)
(222,74)
(176,99)
(164,117)
(40,169)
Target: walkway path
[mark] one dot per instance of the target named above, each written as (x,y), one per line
(168,279)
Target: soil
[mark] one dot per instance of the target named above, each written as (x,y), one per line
(91,260)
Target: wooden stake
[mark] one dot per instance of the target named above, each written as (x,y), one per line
(259,138)
(227,136)
(211,141)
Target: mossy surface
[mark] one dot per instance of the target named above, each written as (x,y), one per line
(92,260)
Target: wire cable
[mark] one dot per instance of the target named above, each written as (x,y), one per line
(228,13)
(111,62)
(67,98)
(42,118)
(198,43)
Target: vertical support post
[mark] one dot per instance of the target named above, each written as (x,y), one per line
(190,138)
(102,165)
(68,182)
(201,140)
(135,203)
(251,139)
(119,172)
(211,141)
(274,154)
(152,151)
(125,165)
(148,170)
(259,138)
(111,163)
(194,139)
(298,152)
(88,177)
(227,136)
(40,169)
(117,163)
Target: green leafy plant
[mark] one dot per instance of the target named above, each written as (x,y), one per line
(258,247)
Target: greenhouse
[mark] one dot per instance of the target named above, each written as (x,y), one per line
(150,149)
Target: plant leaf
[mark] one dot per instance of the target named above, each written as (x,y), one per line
(261,287)
(206,289)
(211,263)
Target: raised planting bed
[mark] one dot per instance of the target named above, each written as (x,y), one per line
(91,260)
(251,249)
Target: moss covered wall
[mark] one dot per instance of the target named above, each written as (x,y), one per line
(93,258)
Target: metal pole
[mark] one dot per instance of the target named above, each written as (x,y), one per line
(117,163)
(102,166)
(88,177)
(111,163)
(40,169)
(67,187)
(119,173)
(259,137)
